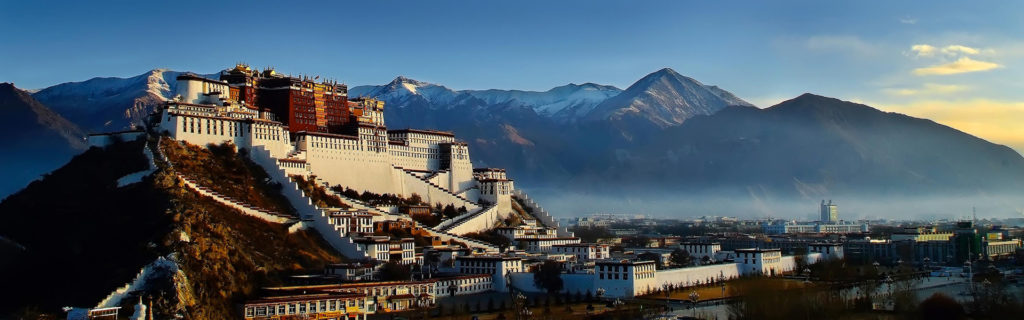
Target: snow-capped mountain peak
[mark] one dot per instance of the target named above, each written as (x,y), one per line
(403,88)
(665,98)
(564,103)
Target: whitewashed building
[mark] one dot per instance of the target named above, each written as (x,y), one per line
(583,251)
(499,267)
(624,278)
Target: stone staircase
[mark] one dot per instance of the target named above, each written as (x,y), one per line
(444,235)
(266,215)
(245,208)
(312,216)
(468,222)
(296,154)
(354,203)
(542,215)
(433,185)
(357,204)
(463,191)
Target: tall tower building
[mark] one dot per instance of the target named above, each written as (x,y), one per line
(829,212)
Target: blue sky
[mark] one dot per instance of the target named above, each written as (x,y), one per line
(955,62)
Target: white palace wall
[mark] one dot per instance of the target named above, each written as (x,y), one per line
(691,275)
(364,163)
(243,133)
(344,160)
(409,184)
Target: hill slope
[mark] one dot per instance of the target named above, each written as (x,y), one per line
(36,139)
(111,104)
(83,237)
(814,146)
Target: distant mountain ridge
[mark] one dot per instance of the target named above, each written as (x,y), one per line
(36,139)
(109,103)
(563,103)
(813,146)
(665,132)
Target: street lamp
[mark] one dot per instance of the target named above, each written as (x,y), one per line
(721,282)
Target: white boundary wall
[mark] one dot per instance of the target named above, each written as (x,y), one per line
(310,214)
(481,220)
(685,277)
(265,216)
(542,214)
(114,298)
(693,275)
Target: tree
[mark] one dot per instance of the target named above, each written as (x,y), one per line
(636,242)
(591,234)
(491,236)
(415,199)
(548,276)
(449,211)
(940,306)
(394,271)
(679,258)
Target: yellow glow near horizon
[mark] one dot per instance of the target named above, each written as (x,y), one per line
(999,122)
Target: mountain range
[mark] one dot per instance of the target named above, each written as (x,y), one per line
(36,139)
(665,132)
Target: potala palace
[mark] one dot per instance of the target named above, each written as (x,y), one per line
(302,127)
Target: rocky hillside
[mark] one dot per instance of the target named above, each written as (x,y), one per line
(75,236)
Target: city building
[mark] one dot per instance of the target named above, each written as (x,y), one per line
(760,261)
(351,271)
(828,250)
(499,267)
(538,245)
(319,305)
(786,227)
(702,252)
(624,278)
(376,247)
(583,251)
(829,212)
(464,284)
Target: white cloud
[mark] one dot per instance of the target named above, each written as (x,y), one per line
(908,20)
(848,44)
(954,49)
(928,89)
(962,65)
(923,50)
(927,50)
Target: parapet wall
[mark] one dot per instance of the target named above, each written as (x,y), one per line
(696,275)
(308,212)
(479,221)
(430,193)
(542,215)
